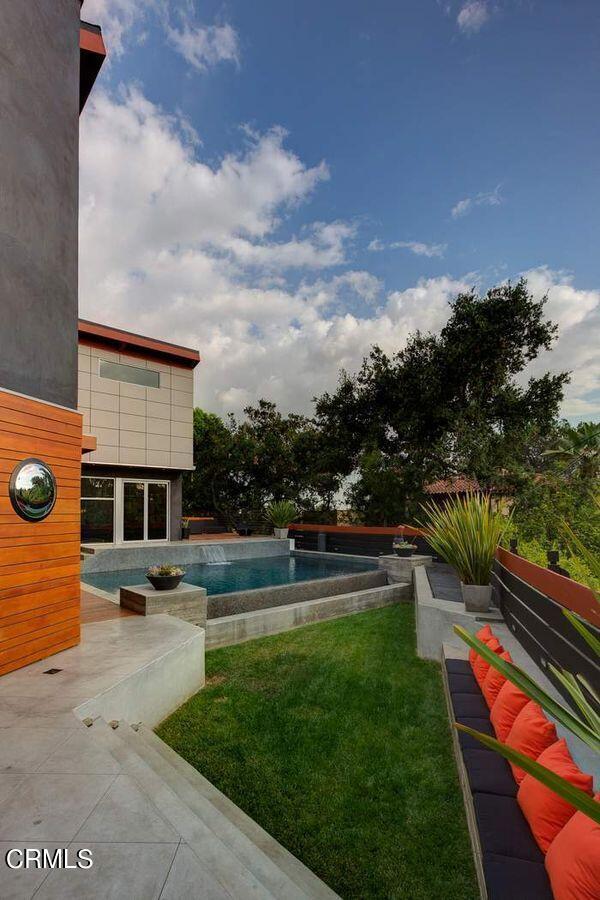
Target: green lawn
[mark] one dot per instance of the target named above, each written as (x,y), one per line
(335,738)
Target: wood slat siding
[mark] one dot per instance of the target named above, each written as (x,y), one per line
(39,562)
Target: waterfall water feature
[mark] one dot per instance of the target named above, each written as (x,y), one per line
(215,555)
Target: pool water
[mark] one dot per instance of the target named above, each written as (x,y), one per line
(239,575)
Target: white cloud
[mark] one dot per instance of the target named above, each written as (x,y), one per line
(473,15)
(205,45)
(117,17)
(161,254)
(324,247)
(416,247)
(577,313)
(485,198)
(201,45)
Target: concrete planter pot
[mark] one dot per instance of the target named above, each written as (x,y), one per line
(476,597)
(281,533)
(164,582)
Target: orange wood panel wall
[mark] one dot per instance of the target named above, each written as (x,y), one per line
(39,561)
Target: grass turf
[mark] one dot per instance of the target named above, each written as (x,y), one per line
(335,739)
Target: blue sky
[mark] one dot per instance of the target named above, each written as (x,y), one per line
(426,146)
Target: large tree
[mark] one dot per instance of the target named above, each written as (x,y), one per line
(448,403)
(243,466)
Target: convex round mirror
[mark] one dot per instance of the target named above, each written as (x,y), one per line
(32,490)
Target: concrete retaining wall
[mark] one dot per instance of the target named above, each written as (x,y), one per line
(262,598)
(435,619)
(151,691)
(179,553)
(258,623)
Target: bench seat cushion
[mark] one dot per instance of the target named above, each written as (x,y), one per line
(508,878)
(463,684)
(503,829)
(469,705)
(488,773)
(477,724)
(458,667)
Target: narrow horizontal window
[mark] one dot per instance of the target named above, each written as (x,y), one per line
(131,374)
(97,488)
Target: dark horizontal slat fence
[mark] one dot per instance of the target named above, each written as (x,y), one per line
(361,541)
(538,622)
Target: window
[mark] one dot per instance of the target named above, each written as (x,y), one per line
(130,374)
(97,510)
(145,514)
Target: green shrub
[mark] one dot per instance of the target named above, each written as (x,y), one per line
(281,513)
(465,532)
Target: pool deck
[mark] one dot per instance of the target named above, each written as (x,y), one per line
(96,608)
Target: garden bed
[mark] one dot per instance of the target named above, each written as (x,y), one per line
(335,739)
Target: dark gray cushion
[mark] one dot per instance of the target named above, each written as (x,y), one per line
(458,666)
(503,829)
(470,705)
(508,878)
(488,772)
(478,724)
(463,684)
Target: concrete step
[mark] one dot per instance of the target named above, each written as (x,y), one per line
(296,870)
(226,630)
(216,858)
(234,843)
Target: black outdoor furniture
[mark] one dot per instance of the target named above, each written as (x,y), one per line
(509,863)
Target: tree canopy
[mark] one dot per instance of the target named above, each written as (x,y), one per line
(448,403)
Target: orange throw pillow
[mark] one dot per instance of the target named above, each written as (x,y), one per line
(573,860)
(546,812)
(509,703)
(480,666)
(484,634)
(493,681)
(531,733)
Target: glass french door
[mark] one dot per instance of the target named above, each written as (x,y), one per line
(145,510)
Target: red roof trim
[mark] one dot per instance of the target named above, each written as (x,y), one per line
(91,41)
(126,341)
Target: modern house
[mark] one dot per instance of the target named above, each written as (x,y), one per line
(136,398)
(124,410)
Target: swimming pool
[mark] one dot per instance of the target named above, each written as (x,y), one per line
(240,575)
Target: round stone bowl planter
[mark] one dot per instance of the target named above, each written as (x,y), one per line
(164,582)
(476,597)
(403,552)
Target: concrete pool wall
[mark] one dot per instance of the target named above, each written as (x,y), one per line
(235,602)
(113,559)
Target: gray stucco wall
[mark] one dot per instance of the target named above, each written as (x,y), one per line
(39,99)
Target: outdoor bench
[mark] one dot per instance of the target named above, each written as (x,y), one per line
(508,860)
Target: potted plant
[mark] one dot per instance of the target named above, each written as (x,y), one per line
(185,529)
(403,547)
(164,578)
(465,532)
(281,514)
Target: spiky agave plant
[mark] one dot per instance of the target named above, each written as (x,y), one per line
(465,532)
(281,513)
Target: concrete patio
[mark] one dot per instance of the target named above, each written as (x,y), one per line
(78,769)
